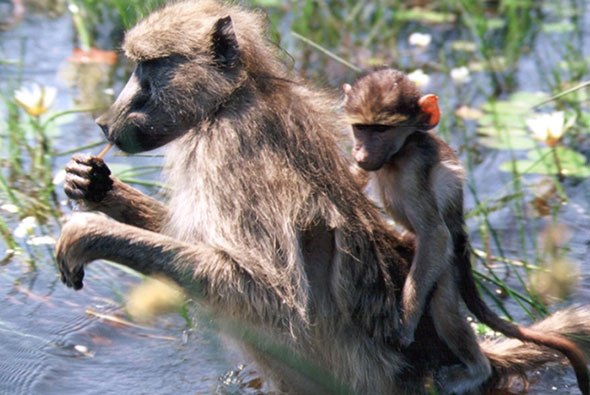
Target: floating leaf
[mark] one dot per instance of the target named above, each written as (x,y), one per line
(585,122)
(498,130)
(558,27)
(542,162)
(505,107)
(418,14)
(495,23)
(577,66)
(524,98)
(499,63)
(464,46)
(529,167)
(502,137)
(513,121)
(567,157)
(268,3)
(511,142)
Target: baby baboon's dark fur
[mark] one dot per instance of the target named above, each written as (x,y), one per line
(420,183)
(264,224)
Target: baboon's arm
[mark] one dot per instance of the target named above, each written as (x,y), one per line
(433,252)
(227,284)
(89,180)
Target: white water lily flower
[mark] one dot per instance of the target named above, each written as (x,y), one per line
(420,39)
(460,75)
(10,208)
(36,100)
(549,128)
(25,227)
(41,241)
(419,78)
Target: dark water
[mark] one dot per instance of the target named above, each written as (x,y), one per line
(54,339)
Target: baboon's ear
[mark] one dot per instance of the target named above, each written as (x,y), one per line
(225,44)
(429,108)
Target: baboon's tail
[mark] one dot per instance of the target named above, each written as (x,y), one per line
(512,358)
(554,338)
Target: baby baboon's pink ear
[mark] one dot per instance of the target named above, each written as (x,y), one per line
(429,106)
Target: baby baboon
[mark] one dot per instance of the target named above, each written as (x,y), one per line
(420,183)
(264,224)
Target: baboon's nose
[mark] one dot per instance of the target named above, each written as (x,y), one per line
(362,158)
(100,121)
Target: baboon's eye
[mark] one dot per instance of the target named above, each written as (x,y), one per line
(380,128)
(372,128)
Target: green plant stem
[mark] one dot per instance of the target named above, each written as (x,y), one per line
(53,117)
(327,52)
(566,92)
(80,25)
(560,175)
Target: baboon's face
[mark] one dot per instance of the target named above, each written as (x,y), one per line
(374,145)
(167,96)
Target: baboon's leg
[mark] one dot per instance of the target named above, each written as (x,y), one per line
(89,180)
(454,329)
(226,283)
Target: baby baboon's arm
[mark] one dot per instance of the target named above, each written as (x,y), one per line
(89,180)
(198,268)
(432,257)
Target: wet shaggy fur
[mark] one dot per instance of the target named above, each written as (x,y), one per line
(264,224)
(420,182)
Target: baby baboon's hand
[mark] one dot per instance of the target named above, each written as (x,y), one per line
(87,178)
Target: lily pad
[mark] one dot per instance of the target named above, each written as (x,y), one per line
(506,107)
(524,98)
(463,46)
(418,14)
(508,142)
(513,121)
(542,161)
(268,3)
(503,137)
(495,23)
(567,156)
(558,27)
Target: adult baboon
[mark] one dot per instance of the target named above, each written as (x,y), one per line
(264,224)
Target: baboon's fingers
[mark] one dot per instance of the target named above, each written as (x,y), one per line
(77,277)
(79,168)
(76,187)
(88,178)
(85,164)
(72,277)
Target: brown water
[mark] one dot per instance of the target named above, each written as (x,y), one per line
(55,341)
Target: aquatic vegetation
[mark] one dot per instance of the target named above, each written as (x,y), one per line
(549,128)
(36,100)
(460,75)
(419,77)
(420,39)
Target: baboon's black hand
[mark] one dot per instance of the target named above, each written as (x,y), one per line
(87,178)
